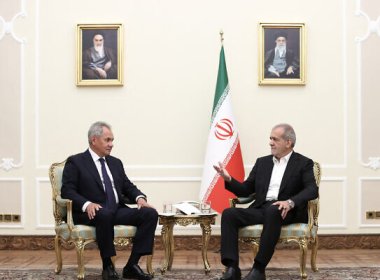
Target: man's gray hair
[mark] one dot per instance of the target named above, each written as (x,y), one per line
(96,129)
(289,133)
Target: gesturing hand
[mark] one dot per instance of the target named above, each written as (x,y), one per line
(222,171)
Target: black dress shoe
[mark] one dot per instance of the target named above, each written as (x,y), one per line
(231,274)
(255,274)
(135,272)
(109,273)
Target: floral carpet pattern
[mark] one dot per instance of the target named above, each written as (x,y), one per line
(362,273)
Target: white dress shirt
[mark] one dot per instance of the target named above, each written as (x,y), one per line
(98,165)
(276,178)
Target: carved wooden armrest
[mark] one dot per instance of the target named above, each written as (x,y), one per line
(313,211)
(69,214)
(242,200)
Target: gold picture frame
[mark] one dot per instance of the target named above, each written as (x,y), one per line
(99,55)
(285,64)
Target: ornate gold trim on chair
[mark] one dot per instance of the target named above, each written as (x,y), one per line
(79,235)
(303,234)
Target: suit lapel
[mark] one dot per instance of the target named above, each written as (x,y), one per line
(91,167)
(288,171)
(268,167)
(113,169)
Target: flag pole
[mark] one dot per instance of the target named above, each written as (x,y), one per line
(221,36)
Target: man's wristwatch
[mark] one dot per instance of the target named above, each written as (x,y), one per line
(291,203)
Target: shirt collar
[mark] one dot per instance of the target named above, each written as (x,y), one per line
(94,156)
(284,159)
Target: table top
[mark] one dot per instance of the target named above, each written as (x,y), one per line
(184,220)
(178,215)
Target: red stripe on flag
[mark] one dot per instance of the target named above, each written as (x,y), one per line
(219,196)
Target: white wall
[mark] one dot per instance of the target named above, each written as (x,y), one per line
(161,115)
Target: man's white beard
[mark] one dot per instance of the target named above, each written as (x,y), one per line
(100,50)
(281,48)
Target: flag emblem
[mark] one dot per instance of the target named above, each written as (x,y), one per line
(224,129)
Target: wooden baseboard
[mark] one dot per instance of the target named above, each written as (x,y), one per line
(46,242)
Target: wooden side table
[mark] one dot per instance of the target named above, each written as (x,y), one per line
(168,221)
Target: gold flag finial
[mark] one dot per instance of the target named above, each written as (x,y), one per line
(221,36)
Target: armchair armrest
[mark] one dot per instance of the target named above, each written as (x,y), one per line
(313,212)
(62,202)
(242,200)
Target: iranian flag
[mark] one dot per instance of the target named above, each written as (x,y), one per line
(223,145)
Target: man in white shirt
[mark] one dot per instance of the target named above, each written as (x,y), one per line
(283,183)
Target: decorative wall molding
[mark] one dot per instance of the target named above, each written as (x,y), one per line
(35,242)
(360,191)
(38,205)
(343,224)
(22,203)
(8,163)
(8,25)
(373,26)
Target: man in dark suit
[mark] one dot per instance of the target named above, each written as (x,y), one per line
(97,184)
(284,183)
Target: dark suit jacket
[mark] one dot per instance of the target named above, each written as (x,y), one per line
(81,181)
(298,183)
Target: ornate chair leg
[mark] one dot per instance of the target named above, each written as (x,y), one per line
(303,254)
(255,248)
(58,254)
(314,250)
(149,266)
(79,244)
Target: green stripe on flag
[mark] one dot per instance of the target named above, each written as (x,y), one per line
(222,87)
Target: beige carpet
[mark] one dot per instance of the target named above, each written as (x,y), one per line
(364,273)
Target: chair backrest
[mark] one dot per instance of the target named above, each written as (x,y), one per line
(55,175)
(313,205)
(317,173)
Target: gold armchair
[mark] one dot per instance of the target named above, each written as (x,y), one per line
(301,233)
(79,235)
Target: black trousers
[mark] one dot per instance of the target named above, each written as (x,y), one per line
(235,218)
(145,219)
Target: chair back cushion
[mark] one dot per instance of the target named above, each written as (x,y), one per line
(55,174)
(296,230)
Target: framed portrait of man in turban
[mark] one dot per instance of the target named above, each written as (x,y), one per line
(282,54)
(99,55)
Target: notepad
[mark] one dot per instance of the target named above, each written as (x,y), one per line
(187,208)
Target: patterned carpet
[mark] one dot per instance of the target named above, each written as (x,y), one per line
(363,273)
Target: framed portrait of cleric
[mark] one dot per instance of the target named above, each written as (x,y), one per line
(282,56)
(99,55)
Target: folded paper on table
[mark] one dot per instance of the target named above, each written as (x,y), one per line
(187,208)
